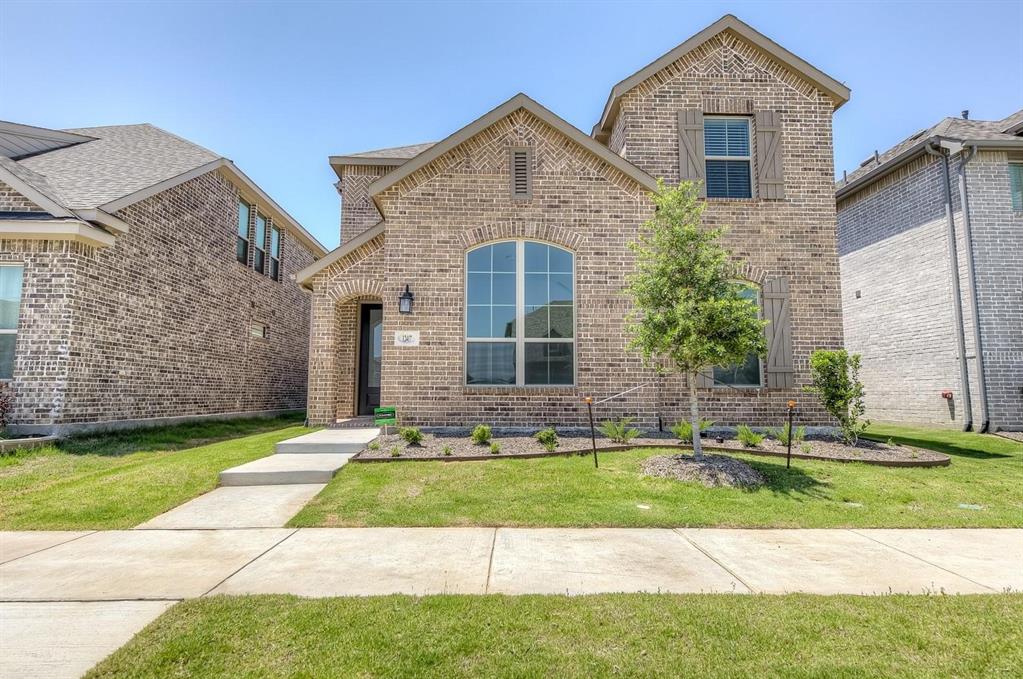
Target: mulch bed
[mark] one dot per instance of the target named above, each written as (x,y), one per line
(713,471)
(452,447)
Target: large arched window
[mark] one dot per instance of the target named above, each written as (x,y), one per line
(519,314)
(747,373)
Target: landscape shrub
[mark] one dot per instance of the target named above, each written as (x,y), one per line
(395,451)
(749,438)
(6,406)
(835,376)
(782,434)
(619,431)
(446,450)
(412,435)
(548,438)
(495,448)
(481,434)
(683,431)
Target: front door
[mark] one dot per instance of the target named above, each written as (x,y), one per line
(371,335)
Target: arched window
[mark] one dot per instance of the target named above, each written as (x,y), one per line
(519,314)
(748,373)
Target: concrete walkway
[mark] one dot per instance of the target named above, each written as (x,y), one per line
(310,458)
(82,594)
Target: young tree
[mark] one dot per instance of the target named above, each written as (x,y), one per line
(836,381)
(689,313)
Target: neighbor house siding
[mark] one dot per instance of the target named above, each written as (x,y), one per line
(159,323)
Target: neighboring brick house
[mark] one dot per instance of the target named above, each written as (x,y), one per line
(143,279)
(905,312)
(512,236)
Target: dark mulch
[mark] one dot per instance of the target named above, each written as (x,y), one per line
(459,445)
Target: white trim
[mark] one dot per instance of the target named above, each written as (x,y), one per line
(55,229)
(104,218)
(520,340)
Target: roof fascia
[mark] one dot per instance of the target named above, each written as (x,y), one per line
(34,194)
(55,229)
(303,276)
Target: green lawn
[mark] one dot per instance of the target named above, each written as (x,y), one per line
(567,491)
(624,635)
(121,479)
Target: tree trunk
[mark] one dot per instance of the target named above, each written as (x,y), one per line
(694,416)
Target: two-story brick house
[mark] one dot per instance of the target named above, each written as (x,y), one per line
(511,239)
(938,348)
(143,280)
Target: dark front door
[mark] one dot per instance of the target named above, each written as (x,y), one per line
(371,335)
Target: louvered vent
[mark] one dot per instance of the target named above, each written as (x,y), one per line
(521,181)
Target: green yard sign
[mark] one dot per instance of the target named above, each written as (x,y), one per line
(385,415)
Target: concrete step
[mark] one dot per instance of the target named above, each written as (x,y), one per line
(330,441)
(278,470)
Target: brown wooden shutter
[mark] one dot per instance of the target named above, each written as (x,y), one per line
(777,306)
(691,165)
(770,173)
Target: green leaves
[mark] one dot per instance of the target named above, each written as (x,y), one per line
(835,378)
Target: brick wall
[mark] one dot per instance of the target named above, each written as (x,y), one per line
(794,237)
(12,201)
(158,325)
(358,212)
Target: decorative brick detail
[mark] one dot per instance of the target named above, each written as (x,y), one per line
(358,212)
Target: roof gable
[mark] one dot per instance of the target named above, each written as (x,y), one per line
(838,92)
(519,101)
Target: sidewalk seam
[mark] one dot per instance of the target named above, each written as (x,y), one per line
(248,563)
(490,563)
(920,558)
(39,551)
(678,531)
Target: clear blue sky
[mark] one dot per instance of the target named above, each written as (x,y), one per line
(278,87)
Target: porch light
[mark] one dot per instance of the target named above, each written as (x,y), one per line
(405,301)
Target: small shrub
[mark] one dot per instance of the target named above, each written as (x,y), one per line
(6,406)
(683,431)
(481,434)
(446,450)
(619,431)
(836,381)
(495,448)
(395,451)
(374,445)
(806,447)
(548,438)
(782,434)
(411,435)
(749,438)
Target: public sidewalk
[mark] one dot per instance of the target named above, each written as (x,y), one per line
(80,595)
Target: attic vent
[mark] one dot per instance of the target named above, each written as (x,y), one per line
(521,173)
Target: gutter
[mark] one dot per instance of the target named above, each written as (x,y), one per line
(965,158)
(964,377)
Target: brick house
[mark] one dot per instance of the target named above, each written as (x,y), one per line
(511,236)
(947,199)
(143,279)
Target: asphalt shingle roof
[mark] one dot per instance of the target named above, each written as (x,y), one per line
(410,151)
(122,160)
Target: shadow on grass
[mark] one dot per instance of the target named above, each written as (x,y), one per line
(948,447)
(789,482)
(172,437)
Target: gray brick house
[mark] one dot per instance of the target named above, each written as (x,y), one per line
(143,279)
(510,237)
(930,236)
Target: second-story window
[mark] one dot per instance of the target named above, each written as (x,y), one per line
(275,253)
(726,150)
(1016,186)
(242,247)
(259,243)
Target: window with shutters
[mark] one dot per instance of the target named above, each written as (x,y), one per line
(521,173)
(747,373)
(726,150)
(520,314)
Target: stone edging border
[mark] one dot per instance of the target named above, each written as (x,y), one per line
(7,445)
(944,462)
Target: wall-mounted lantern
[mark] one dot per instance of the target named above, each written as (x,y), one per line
(405,301)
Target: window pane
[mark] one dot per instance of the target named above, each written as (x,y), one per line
(260,232)
(7,343)
(504,288)
(479,260)
(725,137)
(10,296)
(561,322)
(560,260)
(490,363)
(275,270)
(477,322)
(257,261)
(728,179)
(242,250)
(536,258)
(746,374)
(504,257)
(478,290)
(243,220)
(536,289)
(1016,186)
(503,323)
(549,363)
(561,288)
(537,321)
(275,242)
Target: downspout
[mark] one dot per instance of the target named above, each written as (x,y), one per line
(953,257)
(974,307)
